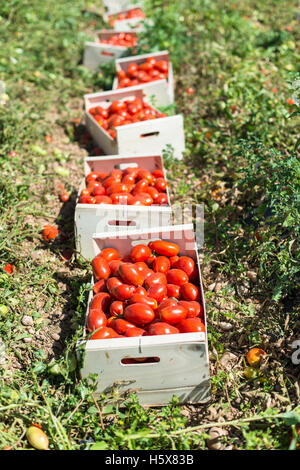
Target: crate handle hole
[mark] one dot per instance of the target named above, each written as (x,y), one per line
(124,223)
(123,166)
(129,361)
(150,134)
(106,53)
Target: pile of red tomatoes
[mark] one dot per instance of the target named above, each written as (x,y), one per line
(128,15)
(121,39)
(121,113)
(147,71)
(132,186)
(152,291)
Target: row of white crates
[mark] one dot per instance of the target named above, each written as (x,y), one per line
(154,367)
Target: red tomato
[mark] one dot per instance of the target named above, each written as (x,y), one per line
(140,253)
(161,328)
(173,291)
(141,187)
(162,199)
(145,174)
(166,303)
(96,319)
(123,292)
(100,302)
(116,308)
(64,197)
(173,314)
(112,283)
(164,248)
(160,184)
(109,254)
(105,333)
(158,174)
(114,266)
(157,292)
(173,261)
(121,326)
(110,181)
(117,188)
(131,332)
(177,277)
(140,265)
(130,274)
(122,198)
(98,191)
(161,264)
(117,106)
(100,286)
(185,263)
(139,314)
(156,278)
(189,291)
(140,291)
(100,268)
(103,200)
(191,325)
(143,299)
(153,193)
(193,308)
(142,199)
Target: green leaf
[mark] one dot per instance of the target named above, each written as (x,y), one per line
(101,445)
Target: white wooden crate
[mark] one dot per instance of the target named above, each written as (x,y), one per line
(93,218)
(183,368)
(130,24)
(152,136)
(150,89)
(113,6)
(96,53)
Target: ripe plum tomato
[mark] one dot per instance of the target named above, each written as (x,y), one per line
(140,253)
(109,254)
(189,291)
(114,266)
(123,291)
(96,319)
(194,309)
(131,332)
(130,274)
(191,325)
(139,314)
(161,264)
(121,326)
(173,291)
(173,314)
(156,278)
(116,308)
(100,286)
(186,264)
(143,299)
(162,328)
(164,248)
(101,268)
(105,333)
(100,301)
(157,292)
(177,277)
